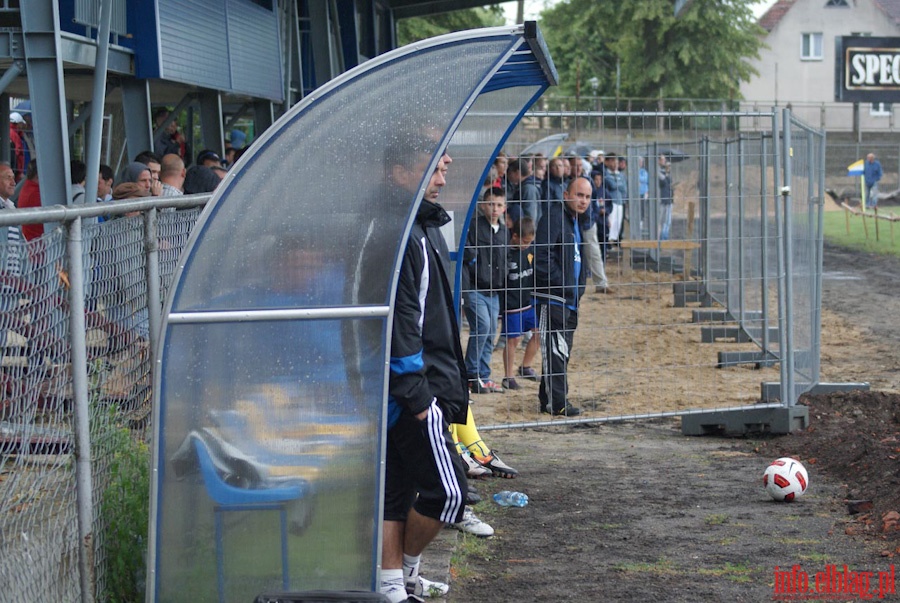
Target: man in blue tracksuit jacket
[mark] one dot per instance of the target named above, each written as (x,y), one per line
(559,278)
(872,175)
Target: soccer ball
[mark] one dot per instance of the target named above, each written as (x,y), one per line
(785,479)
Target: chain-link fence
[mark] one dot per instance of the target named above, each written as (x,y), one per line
(73,492)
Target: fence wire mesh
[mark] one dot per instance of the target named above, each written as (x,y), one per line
(807,201)
(684,318)
(39,536)
(688,320)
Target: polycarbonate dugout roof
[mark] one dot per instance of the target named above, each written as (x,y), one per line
(274,352)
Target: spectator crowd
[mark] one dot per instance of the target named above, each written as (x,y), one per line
(542,227)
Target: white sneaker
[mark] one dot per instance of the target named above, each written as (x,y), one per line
(420,587)
(472,525)
(394,593)
(473,469)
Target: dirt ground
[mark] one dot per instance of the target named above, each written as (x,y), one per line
(634,511)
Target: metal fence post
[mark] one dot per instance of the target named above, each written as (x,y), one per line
(788,392)
(764,246)
(778,171)
(653,204)
(817,277)
(151,264)
(741,243)
(705,216)
(83,479)
(730,294)
(812,202)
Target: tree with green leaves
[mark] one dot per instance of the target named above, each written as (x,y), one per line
(639,48)
(574,32)
(414,29)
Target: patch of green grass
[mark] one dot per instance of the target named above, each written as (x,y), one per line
(736,572)
(661,566)
(487,508)
(727,541)
(593,526)
(835,230)
(821,558)
(469,551)
(798,541)
(124,507)
(716,519)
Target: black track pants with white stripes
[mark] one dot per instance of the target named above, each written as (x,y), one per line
(557,325)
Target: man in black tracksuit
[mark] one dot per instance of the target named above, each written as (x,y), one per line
(425,482)
(559,278)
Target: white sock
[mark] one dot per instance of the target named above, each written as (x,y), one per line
(411,565)
(393,585)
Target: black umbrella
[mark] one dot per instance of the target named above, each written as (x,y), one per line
(549,146)
(579,149)
(674,155)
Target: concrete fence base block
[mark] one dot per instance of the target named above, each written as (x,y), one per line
(703,316)
(759,359)
(749,421)
(770,391)
(713,334)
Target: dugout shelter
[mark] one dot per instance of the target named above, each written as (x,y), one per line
(272,375)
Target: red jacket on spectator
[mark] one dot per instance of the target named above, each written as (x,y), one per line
(17,147)
(30,196)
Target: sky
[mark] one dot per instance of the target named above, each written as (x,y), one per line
(533,7)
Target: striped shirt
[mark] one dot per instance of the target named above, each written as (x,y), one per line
(170,191)
(13,245)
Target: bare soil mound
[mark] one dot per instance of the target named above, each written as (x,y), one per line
(854,440)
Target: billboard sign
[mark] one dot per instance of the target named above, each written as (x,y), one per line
(867,69)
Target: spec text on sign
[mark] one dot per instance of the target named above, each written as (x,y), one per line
(867,69)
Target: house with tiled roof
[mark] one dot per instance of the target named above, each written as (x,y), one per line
(798,65)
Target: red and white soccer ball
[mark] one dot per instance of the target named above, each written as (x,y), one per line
(786,479)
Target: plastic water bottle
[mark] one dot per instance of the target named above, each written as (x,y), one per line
(507,498)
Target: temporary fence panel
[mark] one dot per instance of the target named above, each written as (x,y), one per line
(804,214)
(690,317)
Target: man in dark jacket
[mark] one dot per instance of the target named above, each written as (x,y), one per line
(485,258)
(522,194)
(666,198)
(425,482)
(555,183)
(559,277)
(616,190)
